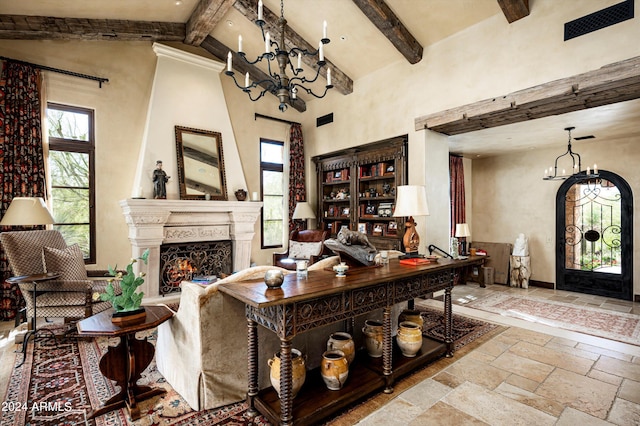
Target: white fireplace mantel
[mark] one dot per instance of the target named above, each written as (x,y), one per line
(155,222)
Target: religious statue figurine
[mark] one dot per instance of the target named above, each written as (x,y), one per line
(160,180)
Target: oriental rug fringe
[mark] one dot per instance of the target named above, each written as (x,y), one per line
(60,383)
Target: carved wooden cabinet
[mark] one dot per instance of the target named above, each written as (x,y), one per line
(357,189)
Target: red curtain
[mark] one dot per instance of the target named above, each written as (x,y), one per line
(21,153)
(297,191)
(456,189)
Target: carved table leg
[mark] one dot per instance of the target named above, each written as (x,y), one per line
(286,383)
(252,367)
(124,364)
(387,349)
(448,322)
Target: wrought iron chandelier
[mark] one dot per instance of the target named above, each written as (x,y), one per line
(278,82)
(576,167)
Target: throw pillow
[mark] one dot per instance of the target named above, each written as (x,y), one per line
(298,250)
(68,262)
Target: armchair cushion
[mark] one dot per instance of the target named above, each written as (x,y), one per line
(298,250)
(69,262)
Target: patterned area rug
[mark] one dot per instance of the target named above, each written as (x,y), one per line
(612,325)
(61,383)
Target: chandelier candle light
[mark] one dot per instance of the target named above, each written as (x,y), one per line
(552,172)
(278,82)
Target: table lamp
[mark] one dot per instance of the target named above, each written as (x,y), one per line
(462,231)
(411,200)
(303,211)
(27,211)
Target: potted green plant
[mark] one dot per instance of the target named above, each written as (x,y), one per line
(126,305)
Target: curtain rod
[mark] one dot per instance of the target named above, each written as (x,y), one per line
(100,80)
(266,117)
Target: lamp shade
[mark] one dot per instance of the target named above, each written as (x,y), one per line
(462,230)
(303,211)
(27,211)
(411,200)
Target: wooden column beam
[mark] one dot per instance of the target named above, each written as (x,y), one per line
(341,82)
(24,27)
(514,9)
(220,51)
(205,17)
(381,15)
(617,82)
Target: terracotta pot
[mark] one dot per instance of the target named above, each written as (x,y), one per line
(334,369)
(412,315)
(409,338)
(298,371)
(129,317)
(372,331)
(342,342)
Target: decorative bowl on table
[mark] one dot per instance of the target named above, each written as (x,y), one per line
(273,278)
(341,269)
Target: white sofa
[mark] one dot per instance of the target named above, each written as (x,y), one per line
(202,350)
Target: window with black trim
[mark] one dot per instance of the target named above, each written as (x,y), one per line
(272,190)
(71,174)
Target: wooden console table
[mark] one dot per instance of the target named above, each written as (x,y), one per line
(303,304)
(125,363)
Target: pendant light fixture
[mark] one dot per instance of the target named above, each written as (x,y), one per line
(553,173)
(278,82)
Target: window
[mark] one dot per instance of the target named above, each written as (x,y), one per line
(71,170)
(272,187)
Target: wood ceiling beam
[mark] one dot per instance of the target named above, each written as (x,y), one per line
(381,15)
(205,17)
(220,51)
(514,9)
(617,82)
(24,27)
(341,82)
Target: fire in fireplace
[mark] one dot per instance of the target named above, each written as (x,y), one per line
(182,262)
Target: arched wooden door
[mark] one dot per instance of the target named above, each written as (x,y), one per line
(594,236)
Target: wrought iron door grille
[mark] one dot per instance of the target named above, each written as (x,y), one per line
(181,262)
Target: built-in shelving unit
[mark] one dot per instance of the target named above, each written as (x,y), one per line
(357,189)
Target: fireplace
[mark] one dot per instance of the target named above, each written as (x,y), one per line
(157,223)
(182,262)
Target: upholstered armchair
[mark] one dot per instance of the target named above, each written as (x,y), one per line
(70,295)
(303,245)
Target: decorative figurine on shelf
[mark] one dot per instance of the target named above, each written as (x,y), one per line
(241,194)
(160,180)
(386,189)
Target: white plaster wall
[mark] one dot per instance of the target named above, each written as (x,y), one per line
(186,92)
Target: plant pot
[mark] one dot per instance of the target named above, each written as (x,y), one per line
(334,369)
(298,371)
(409,338)
(129,317)
(373,338)
(342,342)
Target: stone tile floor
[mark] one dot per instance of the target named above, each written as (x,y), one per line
(530,374)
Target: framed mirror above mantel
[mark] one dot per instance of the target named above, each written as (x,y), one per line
(201,174)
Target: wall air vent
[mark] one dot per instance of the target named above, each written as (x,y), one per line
(598,20)
(325,119)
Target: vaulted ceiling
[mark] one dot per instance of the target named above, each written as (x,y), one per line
(366,35)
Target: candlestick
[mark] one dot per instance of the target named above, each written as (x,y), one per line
(595,169)
(239,43)
(299,60)
(260,10)
(246,80)
(267,42)
(320,53)
(324,29)
(328,76)
(254,196)
(229,62)
(588,170)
